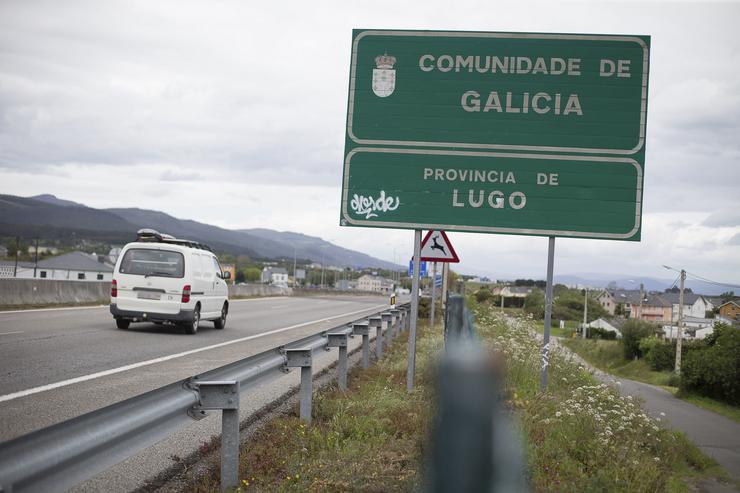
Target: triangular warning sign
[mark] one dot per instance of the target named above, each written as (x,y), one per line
(436,247)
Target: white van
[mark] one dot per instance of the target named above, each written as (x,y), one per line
(162,279)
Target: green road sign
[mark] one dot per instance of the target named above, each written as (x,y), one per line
(552,124)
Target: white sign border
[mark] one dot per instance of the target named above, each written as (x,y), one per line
(347,220)
(463,34)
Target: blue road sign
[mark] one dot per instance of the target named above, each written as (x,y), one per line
(422,268)
(438,281)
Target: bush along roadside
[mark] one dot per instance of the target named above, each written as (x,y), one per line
(583,435)
(368,438)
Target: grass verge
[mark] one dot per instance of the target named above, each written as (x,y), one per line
(607,356)
(369,438)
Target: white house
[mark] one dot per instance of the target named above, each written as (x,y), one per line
(694,328)
(74,266)
(374,283)
(275,275)
(694,305)
(612,325)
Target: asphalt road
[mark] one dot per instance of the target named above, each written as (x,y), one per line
(60,363)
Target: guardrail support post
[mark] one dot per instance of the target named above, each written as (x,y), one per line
(396,314)
(377,324)
(340,341)
(387,319)
(363,330)
(224,395)
(302,358)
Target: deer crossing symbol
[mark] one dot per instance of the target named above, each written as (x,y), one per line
(437,246)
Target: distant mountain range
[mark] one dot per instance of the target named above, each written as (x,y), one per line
(650,283)
(46,216)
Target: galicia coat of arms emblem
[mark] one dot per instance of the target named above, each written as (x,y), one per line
(384,77)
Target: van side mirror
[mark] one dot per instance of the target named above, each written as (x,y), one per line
(226,275)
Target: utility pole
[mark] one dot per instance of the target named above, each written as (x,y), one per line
(294,278)
(680,324)
(322,269)
(36,259)
(17,248)
(642,296)
(585,312)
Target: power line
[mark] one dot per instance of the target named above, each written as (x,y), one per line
(711,281)
(704,279)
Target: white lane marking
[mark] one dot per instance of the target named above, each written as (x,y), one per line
(8,333)
(32,310)
(113,371)
(262,298)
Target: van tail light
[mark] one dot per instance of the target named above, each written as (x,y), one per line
(113,288)
(186,294)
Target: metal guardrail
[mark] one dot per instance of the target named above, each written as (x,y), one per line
(65,454)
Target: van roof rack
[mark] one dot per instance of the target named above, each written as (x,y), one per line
(148,235)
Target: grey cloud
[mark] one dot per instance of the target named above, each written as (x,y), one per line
(735,240)
(723,219)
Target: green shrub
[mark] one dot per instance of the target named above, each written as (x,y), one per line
(483,294)
(658,354)
(599,333)
(714,369)
(425,307)
(534,304)
(632,332)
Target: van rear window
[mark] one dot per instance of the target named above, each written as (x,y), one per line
(153,263)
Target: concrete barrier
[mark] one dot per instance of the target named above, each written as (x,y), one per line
(17,292)
(50,291)
(258,290)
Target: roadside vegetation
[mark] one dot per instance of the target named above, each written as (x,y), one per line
(580,435)
(710,376)
(583,435)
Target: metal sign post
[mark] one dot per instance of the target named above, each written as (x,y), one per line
(548,313)
(434,294)
(445,273)
(414,312)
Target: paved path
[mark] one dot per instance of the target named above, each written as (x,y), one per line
(714,434)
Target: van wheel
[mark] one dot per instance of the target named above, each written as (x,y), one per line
(122,323)
(220,323)
(192,327)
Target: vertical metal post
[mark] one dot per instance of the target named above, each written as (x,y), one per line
(342,367)
(585,313)
(548,313)
(386,318)
(17,248)
(434,293)
(679,338)
(378,324)
(443,298)
(414,313)
(365,350)
(306,393)
(229,449)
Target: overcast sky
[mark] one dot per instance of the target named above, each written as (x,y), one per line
(233,114)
